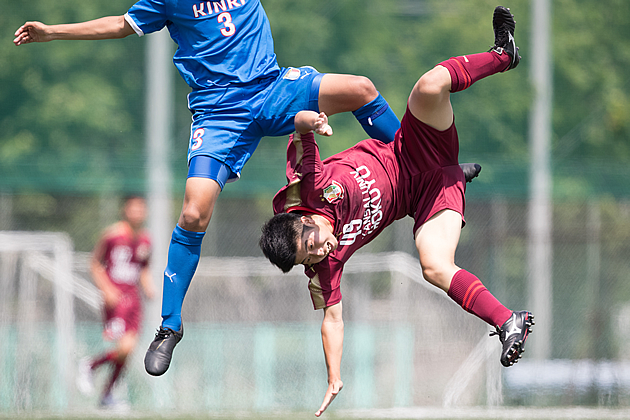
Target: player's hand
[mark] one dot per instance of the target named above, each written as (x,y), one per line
(331,393)
(32,32)
(321,127)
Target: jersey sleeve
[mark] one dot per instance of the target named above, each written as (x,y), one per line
(303,155)
(147,16)
(303,161)
(325,282)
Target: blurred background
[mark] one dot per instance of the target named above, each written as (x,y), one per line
(548,220)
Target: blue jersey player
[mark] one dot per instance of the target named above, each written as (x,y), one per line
(239,94)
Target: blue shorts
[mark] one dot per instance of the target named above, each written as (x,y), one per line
(228,122)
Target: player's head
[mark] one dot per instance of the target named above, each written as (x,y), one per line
(279,239)
(135,210)
(289,239)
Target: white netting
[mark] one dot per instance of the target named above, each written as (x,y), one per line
(252,339)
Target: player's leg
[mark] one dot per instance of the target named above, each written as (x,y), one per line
(114,326)
(436,241)
(220,145)
(430,98)
(200,197)
(183,256)
(357,94)
(124,347)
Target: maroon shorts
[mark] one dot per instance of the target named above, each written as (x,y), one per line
(124,317)
(429,163)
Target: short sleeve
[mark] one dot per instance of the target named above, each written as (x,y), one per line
(325,282)
(303,162)
(147,16)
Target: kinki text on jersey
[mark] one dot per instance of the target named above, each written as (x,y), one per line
(206,8)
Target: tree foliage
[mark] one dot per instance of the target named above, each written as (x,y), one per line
(72,113)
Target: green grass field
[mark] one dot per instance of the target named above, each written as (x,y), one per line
(435,413)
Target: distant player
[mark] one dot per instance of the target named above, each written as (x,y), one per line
(120,268)
(330,209)
(239,94)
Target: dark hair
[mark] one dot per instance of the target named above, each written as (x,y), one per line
(279,239)
(132,196)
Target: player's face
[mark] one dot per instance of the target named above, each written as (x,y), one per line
(316,243)
(135,211)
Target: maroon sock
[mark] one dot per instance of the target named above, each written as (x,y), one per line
(467,69)
(468,291)
(107,357)
(118,367)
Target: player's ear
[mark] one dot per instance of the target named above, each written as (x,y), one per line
(307,220)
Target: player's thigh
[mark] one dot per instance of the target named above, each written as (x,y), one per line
(199,199)
(436,241)
(429,100)
(275,107)
(127,343)
(344,93)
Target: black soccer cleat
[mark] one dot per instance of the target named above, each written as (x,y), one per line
(158,356)
(513,334)
(503,24)
(471,170)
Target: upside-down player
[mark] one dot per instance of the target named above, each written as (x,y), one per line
(332,208)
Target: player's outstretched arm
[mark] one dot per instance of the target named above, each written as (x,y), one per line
(307,121)
(332,339)
(110,27)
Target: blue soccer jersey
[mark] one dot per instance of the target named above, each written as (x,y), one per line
(219,42)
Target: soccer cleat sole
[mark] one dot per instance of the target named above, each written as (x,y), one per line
(518,348)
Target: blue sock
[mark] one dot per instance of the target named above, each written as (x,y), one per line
(378,119)
(183,257)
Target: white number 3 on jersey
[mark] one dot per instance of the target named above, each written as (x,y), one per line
(226,19)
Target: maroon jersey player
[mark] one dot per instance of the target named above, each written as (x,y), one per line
(330,209)
(120,269)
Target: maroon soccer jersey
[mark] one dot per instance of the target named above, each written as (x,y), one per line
(124,257)
(354,189)
(365,188)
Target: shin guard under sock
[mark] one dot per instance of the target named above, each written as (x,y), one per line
(378,120)
(468,291)
(183,257)
(467,69)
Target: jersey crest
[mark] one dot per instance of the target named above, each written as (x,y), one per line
(292,74)
(334,192)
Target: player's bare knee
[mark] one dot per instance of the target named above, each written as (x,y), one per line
(194,218)
(364,88)
(435,82)
(429,273)
(435,274)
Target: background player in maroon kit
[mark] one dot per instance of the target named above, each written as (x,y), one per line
(332,208)
(120,266)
